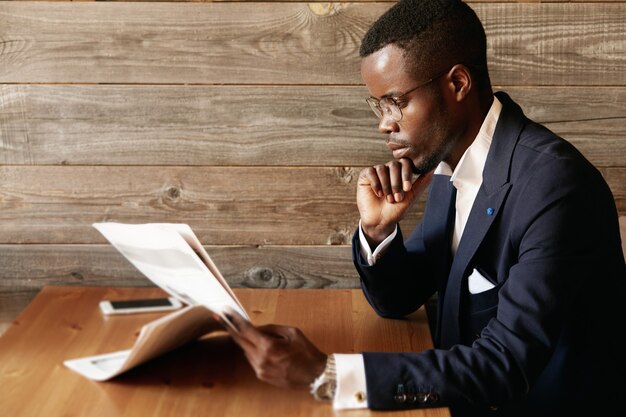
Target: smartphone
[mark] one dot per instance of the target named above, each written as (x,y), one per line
(147,305)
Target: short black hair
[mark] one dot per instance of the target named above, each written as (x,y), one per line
(434,35)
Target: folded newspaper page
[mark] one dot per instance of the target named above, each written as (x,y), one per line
(172,257)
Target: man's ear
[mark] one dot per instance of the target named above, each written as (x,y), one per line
(461,82)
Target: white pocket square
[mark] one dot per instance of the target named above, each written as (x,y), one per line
(477,283)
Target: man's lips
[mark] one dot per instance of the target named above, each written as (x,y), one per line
(398,151)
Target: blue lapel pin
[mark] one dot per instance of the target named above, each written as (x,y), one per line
(489,211)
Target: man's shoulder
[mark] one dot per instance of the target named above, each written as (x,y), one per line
(529,140)
(539,151)
(535,139)
(541,157)
(538,147)
(546,168)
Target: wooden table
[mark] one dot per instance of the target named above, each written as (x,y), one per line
(209,377)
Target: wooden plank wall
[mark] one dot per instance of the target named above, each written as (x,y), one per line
(247,121)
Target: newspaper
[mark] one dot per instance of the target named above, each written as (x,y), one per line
(172,257)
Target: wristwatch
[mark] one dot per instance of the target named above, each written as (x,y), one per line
(325,385)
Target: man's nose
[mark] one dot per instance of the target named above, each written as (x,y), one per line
(387,124)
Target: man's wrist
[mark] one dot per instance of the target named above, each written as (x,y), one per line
(375,235)
(325,385)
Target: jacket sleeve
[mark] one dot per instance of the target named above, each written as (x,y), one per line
(401,280)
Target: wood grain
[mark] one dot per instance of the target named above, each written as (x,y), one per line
(12,301)
(190,125)
(31,267)
(223,205)
(287,43)
(246,125)
(211,375)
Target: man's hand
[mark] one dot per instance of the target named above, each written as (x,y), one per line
(279,355)
(384,195)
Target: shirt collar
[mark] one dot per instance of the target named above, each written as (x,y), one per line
(469,170)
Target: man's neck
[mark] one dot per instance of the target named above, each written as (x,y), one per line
(477,115)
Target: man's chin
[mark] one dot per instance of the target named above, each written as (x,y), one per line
(424,167)
(418,171)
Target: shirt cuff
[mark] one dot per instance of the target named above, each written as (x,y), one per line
(351,389)
(367,253)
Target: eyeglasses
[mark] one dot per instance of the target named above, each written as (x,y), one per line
(390,106)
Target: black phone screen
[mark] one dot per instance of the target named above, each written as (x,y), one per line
(149,302)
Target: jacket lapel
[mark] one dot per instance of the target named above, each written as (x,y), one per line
(487,206)
(478,223)
(438,225)
(439,215)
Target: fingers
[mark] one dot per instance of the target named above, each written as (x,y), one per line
(255,340)
(369,178)
(407,174)
(279,355)
(243,329)
(233,323)
(391,180)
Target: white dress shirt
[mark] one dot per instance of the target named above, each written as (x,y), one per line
(467,178)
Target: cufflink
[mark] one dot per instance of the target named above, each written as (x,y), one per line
(360,396)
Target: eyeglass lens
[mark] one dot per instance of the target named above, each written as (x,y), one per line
(385,107)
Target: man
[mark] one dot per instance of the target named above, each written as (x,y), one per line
(519,240)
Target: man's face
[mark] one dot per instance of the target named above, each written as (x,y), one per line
(425,134)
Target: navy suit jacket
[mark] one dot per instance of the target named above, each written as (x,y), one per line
(544,229)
